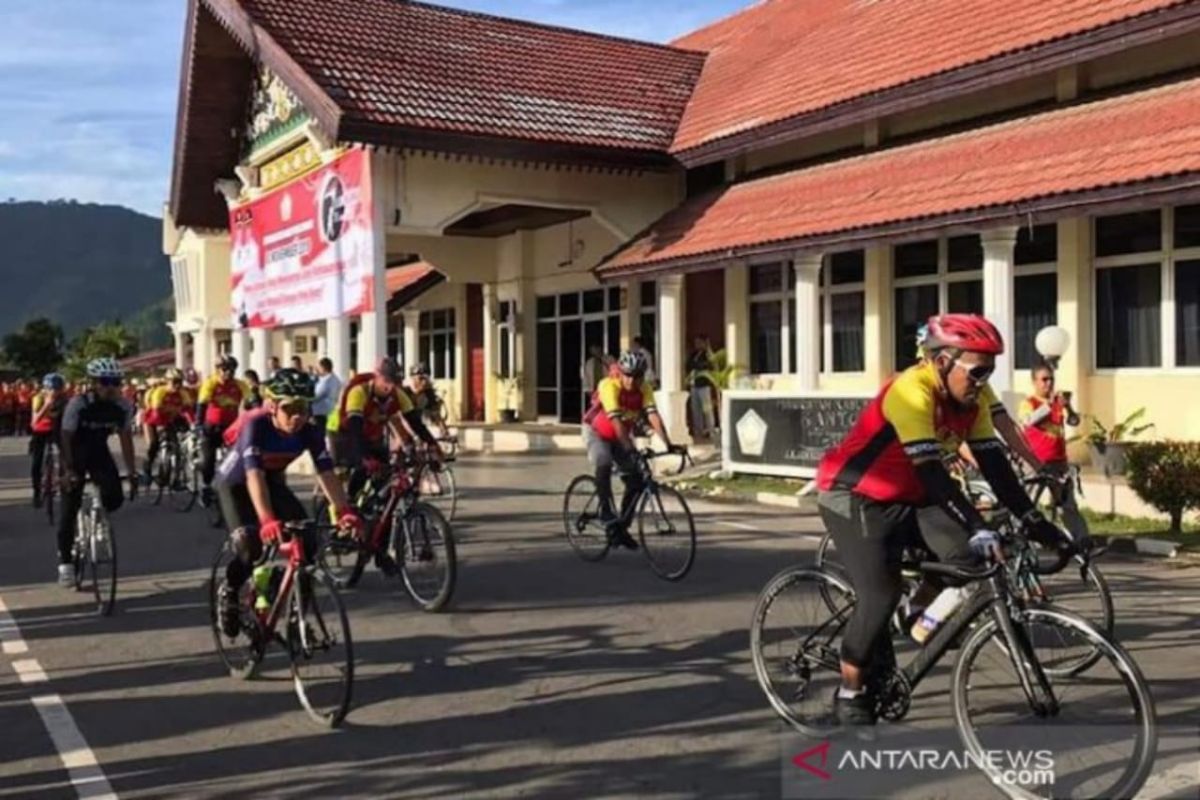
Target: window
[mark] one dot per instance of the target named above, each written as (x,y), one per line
(1147,289)
(843,312)
(506,338)
(647,328)
(436,342)
(568,325)
(770,292)
(946,276)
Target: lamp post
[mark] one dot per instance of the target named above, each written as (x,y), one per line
(1052,342)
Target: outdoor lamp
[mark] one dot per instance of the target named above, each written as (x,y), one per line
(1052,342)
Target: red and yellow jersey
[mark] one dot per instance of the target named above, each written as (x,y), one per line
(909,418)
(48,421)
(360,399)
(224,399)
(1047,436)
(165,405)
(7,401)
(612,402)
(24,398)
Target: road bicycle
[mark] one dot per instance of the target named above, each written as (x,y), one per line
(665,529)
(1008,676)
(186,481)
(303,600)
(407,538)
(436,482)
(94,553)
(171,468)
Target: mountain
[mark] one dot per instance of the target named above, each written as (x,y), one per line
(79,264)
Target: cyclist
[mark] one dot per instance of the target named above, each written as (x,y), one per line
(252,486)
(424,397)
(221,398)
(253,390)
(371,403)
(621,400)
(87,422)
(885,485)
(47,406)
(167,410)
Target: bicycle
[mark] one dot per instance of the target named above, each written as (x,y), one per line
(50,478)
(94,553)
(302,596)
(436,482)
(408,539)
(186,480)
(797,665)
(171,468)
(664,520)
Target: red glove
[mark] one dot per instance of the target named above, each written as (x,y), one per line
(349,520)
(271,530)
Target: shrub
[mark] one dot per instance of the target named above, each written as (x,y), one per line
(1167,476)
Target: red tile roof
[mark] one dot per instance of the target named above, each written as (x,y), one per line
(992,173)
(395,63)
(781,59)
(400,278)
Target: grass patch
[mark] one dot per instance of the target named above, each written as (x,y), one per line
(747,484)
(1103,524)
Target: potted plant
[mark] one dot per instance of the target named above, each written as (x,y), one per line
(509,386)
(720,374)
(1109,445)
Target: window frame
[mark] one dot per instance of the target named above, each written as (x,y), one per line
(1166,258)
(427,332)
(785,296)
(827,290)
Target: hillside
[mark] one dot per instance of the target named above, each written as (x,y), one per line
(79,264)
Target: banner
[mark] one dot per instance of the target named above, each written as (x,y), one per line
(305,251)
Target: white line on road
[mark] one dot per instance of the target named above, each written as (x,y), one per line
(1171,783)
(82,767)
(29,671)
(740,525)
(14,647)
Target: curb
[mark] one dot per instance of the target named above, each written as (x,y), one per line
(1144,546)
(773,499)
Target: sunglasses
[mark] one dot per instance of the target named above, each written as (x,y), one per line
(977,373)
(109,382)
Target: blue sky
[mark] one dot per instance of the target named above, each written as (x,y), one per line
(88,87)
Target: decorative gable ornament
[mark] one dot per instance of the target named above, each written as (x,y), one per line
(272,105)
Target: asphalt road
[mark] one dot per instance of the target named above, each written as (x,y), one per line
(548,677)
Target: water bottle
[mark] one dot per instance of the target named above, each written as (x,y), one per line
(940,610)
(262,588)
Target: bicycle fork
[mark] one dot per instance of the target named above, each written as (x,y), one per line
(1038,691)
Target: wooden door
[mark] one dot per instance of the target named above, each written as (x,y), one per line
(476,365)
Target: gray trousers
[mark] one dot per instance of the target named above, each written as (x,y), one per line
(604,455)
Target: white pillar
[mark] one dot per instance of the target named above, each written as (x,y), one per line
(180,350)
(808,322)
(412,327)
(337,345)
(671,399)
(372,327)
(239,347)
(203,349)
(260,351)
(490,394)
(999,245)
(287,348)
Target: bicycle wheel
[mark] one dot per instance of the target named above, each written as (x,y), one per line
(162,474)
(1082,591)
(581,514)
(102,563)
(185,485)
(80,550)
(1100,730)
(320,648)
(446,498)
(666,532)
(795,643)
(423,549)
(49,484)
(212,508)
(243,652)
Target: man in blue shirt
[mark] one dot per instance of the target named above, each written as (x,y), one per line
(329,388)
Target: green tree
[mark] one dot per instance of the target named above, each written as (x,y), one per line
(104,340)
(37,348)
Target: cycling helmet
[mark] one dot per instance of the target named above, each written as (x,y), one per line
(632,363)
(288,384)
(419,370)
(967,332)
(389,369)
(104,368)
(172,375)
(54,382)
(228,362)
(191,376)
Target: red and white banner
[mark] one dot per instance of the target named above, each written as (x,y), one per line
(306,251)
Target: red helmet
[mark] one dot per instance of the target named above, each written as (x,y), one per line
(967,332)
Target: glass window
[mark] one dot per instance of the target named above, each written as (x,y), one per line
(1037,245)
(546,306)
(649,291)
(964,253)
(964,297)
(766,331)
(505,355)
(647,325)
(425,319)
(914,306)
(1139,232)
(848,267)
(848,312)
(766,278)
(916,258)
(614,298)
(1187,313)
(1035,298)
(1128,314)
(593,301)
(568,304)
(1187,227)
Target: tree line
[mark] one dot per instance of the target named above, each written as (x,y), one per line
(41,347)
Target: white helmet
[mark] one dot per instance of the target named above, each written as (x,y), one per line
(104,368)
(633,363)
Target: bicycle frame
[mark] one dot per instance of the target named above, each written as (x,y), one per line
(648,481)
(293,551)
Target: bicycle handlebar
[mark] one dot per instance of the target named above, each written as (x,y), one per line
(685,458)
(960,573)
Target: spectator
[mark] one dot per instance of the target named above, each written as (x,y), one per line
(595,369)
(273,366)
(651,377)
(1045,415)
(329,388)
(700,403)
(24,407)
(8,409)
(254,399)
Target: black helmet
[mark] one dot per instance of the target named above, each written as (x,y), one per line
(228,362)
(389,369)
(288,384)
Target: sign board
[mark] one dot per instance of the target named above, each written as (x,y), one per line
(784,433)
(306,251)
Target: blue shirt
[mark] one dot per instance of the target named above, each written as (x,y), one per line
(326,396)
(260,445)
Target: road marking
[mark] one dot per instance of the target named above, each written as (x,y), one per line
(82,767)
(1170,783)
(14,647)
(740,525)
(30,671)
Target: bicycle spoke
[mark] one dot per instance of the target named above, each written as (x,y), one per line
(320,648)
(666,532)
